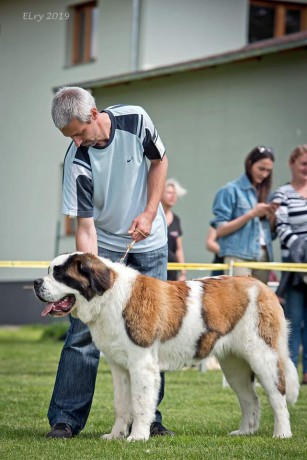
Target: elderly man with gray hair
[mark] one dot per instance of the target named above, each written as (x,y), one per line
(115,197)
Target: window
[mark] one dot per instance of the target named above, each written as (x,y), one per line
(269,19)
(82,36)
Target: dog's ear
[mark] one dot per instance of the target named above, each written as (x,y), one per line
(97,273)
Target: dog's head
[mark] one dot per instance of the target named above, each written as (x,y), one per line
(72,280)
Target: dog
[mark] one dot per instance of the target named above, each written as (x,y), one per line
(144,326)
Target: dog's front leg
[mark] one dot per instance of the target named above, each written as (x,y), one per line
(145,384)
(122,402)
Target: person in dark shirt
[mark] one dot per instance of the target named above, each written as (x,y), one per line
(213,246)
(172,191)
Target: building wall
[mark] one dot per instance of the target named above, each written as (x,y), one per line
(33,60)
(208,119)
(174,31)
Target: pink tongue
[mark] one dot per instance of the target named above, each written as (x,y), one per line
(47,309)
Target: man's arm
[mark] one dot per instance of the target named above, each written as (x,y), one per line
(86,237)
(141,225)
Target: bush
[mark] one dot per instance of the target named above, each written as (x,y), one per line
(56,331)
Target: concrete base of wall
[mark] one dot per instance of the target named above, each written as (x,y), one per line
(19,305)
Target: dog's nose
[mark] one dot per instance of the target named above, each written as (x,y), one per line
(38,282)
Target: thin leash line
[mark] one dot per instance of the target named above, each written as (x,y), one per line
(130,246)
(141,233)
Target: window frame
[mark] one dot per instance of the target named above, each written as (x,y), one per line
(82,40)
(281,8)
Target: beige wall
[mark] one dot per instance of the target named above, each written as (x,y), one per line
(208,119)
(174,31)
(33,60)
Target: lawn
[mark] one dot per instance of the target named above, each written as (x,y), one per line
(196,407)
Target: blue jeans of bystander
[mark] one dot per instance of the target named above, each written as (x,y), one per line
(296,312)
(75,381)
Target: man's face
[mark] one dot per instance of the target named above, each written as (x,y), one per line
(85,134)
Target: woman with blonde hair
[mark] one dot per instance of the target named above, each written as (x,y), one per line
(172,191)
(291,227)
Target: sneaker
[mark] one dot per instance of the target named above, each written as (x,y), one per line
(157,429)
(60,430)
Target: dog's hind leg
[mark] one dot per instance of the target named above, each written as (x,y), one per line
(145,383)
(241,379)
(122,403)
(270,371)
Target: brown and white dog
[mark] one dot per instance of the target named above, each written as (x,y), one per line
(144,325)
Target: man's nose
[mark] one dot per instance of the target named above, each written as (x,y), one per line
(77,142)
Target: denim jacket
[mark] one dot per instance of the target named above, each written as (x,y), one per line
(231,201)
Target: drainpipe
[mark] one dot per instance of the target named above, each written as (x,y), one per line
(135,39)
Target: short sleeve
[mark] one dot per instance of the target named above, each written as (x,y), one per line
(152,144)
(223,206)
(77,185)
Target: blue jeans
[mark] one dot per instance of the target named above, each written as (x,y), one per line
(75,381)
(296,312)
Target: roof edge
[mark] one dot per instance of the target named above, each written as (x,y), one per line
(289,42)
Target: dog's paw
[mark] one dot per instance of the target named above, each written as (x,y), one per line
(283,435)
(110,436)
(136,437)
(240,433)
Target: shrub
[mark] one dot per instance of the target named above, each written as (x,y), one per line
(56,331)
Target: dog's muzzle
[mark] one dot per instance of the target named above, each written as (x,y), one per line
(58,308)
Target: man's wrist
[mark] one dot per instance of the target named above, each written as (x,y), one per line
(150,213)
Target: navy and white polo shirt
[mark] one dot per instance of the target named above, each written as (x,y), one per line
(109,183)
(291,216)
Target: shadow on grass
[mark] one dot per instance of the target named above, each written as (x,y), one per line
(39,434)
(19,433)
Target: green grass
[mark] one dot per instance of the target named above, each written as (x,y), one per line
(195,406)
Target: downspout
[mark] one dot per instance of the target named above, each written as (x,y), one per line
(135,38)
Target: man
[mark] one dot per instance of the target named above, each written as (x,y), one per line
(116,199)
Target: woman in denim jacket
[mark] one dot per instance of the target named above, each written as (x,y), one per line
(243,218)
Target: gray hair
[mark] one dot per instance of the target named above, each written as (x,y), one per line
(71,102)
(179,190)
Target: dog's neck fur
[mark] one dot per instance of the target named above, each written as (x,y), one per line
(113,301)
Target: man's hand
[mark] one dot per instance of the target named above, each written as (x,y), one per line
(140,227)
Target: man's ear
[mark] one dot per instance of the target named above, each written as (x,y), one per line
(95,113)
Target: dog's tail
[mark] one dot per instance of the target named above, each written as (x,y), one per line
(292,383)
(291,376)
